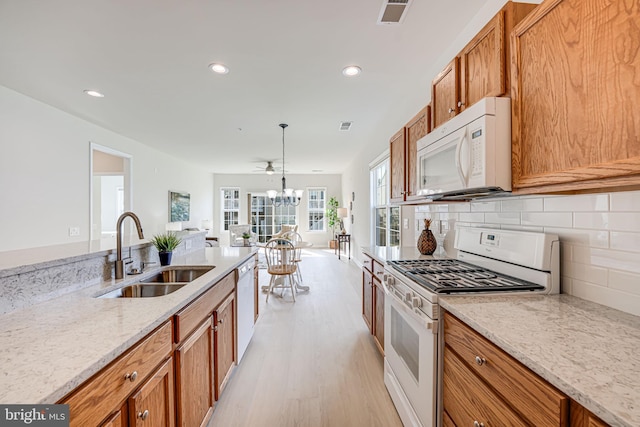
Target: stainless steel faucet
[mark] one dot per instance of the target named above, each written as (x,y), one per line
(119,260)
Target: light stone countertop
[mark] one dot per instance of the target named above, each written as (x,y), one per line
(50,348)
(588,351)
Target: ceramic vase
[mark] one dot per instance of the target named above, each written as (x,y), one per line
(427,243)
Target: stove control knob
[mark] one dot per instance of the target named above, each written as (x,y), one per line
(416,302)
(391,281)
(408,296)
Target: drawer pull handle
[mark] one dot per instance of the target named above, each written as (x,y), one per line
(480,361)
(451,110)
(477,424)
(132,376)
(143,415)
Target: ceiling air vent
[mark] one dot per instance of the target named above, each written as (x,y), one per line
(345,126)
(393,11)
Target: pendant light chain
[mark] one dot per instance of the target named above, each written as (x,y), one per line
(286,198)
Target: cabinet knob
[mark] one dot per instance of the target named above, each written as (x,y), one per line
(220,320)
(143,415)
(451,110)
(480,361)
(132,376)
(477,424)
(460,104)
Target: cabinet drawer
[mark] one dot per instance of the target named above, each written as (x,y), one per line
(94,400)
(535,399)
(469,401)
(378,270)
(367,262)
(190,317)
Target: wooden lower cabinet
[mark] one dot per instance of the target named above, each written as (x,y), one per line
(581,417)
(378,317)
(119,419)
(194,377)
(224,342)
(153,404)
(483,384)
(367,298)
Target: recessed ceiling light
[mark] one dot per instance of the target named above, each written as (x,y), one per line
(219,68)
(351,71)
(94,93)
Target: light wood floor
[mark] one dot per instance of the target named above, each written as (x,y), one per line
(312,362)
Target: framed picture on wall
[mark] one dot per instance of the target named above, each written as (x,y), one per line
(179,205)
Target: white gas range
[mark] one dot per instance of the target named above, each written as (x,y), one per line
(488,260)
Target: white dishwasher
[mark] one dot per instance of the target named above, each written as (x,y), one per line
(245,305)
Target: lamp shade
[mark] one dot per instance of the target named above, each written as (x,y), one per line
(342,212)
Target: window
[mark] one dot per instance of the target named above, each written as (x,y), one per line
(316,208)
(386,218)
(266,220)
(230,201)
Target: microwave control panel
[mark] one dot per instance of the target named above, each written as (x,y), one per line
(477,144)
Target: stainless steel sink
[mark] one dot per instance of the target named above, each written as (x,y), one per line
(161,283)
(144,290)
(177,274)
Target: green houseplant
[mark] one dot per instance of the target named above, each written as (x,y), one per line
(332,219)
(246,237)
(165,243)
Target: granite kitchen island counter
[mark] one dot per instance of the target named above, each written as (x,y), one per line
(586,350)
(48,349)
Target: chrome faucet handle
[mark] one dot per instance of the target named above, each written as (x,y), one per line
(143,264)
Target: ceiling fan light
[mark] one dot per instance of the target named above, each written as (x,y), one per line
(269,171)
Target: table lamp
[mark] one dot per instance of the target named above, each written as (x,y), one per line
(342,213)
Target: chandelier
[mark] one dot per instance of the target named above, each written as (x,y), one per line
(288,196)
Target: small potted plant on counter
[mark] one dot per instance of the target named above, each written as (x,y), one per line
(165,244)
(246,237)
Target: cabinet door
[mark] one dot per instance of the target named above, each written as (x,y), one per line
(397,162)
(256,292)
(574,94)
(194,377)
(418,127)
(581,417)
(378,320)
(367,299)
(119,419)
(153,404)
(445,93)
(224,342)
(482,64)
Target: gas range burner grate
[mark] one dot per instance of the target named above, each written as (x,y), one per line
(451,276)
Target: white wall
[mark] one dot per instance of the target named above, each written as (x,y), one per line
(599,235)
(260,183)
(44,176)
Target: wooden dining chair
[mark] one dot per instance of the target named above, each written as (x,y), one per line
(296,239)
(280,255)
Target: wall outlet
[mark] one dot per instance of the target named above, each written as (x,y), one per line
(405,223)
(74,231)
(187,245)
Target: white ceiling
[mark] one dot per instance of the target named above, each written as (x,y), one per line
(150,58)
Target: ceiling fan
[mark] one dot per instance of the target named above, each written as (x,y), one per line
(269,169)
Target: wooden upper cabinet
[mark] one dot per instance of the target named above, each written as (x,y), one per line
(575,87)
(397,150)
(484,61)
(418,127)
(403,148)
(445,93)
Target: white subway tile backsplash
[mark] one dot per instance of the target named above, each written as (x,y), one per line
(625,201)
(502,217)
(599,235)
(493,206)
(574,236)
(582,203)
(587,273)
(623,281)
(522,205)
(548,219)
(624,241)
(471,217)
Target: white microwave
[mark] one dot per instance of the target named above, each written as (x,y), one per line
(468,156)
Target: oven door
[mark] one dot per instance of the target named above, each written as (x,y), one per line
(410,343)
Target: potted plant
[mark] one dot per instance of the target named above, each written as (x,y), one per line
(332,220)
(165,243)
(246,236)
